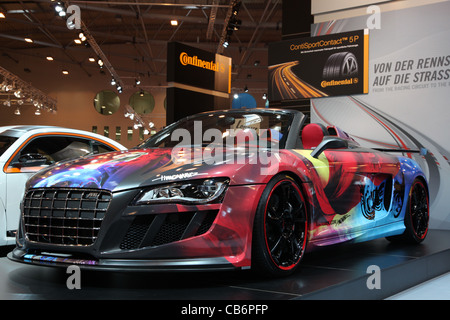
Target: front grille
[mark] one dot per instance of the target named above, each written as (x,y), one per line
(64,216)
(158,229)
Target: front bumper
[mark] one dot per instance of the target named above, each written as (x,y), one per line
(132,265)
(140,237)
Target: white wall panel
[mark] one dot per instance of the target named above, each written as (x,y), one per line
(327,10)
(324,6)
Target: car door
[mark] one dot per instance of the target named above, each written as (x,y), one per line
(36,153)
(339,178)
(350,174)
(359,188)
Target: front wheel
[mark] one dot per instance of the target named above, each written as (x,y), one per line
(280,228)
(417,214)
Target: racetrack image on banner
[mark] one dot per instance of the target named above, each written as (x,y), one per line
(317,67)
(407,103)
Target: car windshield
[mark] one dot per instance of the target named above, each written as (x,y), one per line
(228,128)
(5,143)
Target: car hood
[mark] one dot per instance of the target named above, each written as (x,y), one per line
(123,170)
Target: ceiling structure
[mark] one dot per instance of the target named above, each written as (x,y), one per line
(131,36)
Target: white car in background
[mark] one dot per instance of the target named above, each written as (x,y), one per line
(24,150)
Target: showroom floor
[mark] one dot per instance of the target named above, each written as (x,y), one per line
(434,289)
(338,272)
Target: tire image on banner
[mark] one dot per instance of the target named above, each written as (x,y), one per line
(340,65)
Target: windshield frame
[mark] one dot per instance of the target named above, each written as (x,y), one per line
(288,141)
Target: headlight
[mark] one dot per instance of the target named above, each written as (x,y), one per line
(196,191)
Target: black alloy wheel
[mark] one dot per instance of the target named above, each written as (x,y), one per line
(280,230)
(417,215)
(418,210)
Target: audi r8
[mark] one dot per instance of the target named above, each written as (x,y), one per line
(250,188)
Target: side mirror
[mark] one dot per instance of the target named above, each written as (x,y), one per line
(31,160)
(329,143)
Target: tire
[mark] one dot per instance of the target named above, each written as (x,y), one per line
(280,228)
(417,215)
(340,65)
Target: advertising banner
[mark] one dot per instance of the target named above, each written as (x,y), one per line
(198,81)
(407,102)
(322,66)
(196,69)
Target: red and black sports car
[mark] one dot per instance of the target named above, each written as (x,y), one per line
(218,190)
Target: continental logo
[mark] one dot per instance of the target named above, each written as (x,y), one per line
(185,60)
(333,83)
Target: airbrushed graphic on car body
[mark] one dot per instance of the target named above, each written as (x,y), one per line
(155,221)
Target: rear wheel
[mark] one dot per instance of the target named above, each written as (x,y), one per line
(280,228)
(417,214)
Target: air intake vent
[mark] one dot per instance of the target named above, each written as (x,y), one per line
(159,229)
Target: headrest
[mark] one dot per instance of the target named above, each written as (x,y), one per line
(313,134)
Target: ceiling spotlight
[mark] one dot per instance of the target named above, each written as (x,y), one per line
(49,58)
(113,82)
(37,112)
(100,63)
(82,36)
(226,43)
(174,22)
(17,112)
(246,89)
(264,96)
(236,8)
(236,96)
(70,24)
(65,72)
(138,82)
(18,93)
(59,7)
(29,40)
(2,15)
(91,59)
(234,24)
(77,41)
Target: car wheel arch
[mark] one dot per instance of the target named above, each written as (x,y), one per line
(302,183)
(424,181)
